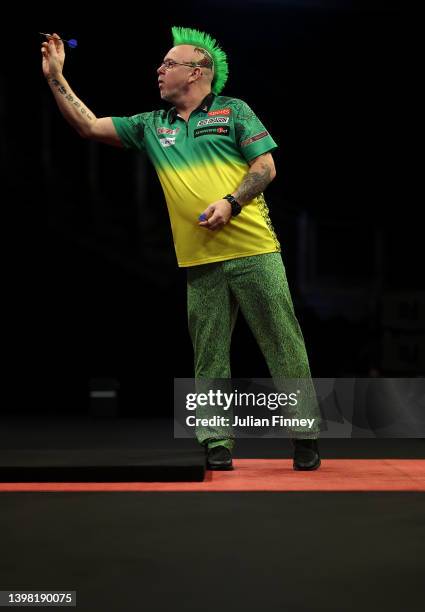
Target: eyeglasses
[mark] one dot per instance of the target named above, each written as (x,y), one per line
(168,64)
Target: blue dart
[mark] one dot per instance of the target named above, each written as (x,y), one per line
(71,42)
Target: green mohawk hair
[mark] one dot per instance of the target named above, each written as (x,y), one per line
(188,36)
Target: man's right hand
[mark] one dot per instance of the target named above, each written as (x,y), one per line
(53,53)
(75,112)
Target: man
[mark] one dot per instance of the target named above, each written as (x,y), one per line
(213,159)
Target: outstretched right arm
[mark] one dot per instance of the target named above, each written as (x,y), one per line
(76,114)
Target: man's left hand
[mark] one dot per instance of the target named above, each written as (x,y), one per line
(216,215)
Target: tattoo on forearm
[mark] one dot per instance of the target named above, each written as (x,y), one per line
(253,184)
(61,89)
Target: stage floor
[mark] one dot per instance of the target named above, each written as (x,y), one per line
(237,542)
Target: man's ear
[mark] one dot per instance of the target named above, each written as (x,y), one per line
(196,74)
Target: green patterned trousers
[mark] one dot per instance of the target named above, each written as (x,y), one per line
(256,285)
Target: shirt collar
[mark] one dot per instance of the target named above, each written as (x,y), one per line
(205,106)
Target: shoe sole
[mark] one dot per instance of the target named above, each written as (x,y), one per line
(217,468)
(308,469)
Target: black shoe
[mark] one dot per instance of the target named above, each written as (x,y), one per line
(306,454)
(219,458)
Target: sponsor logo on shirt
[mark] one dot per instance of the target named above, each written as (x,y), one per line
(220,111)
(165,130)
(213,121)
(167,142)
(208,130)
(259,136)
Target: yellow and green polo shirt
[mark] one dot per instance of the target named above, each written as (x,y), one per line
(200,161)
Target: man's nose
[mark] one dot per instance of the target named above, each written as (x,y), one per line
(160,69)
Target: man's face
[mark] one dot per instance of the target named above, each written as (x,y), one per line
(173,79)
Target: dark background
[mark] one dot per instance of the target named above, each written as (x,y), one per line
(91,286)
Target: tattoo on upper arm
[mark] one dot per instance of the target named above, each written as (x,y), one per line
(254,183)
(61,89)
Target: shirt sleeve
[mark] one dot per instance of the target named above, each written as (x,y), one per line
(252,138)
(131,130)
